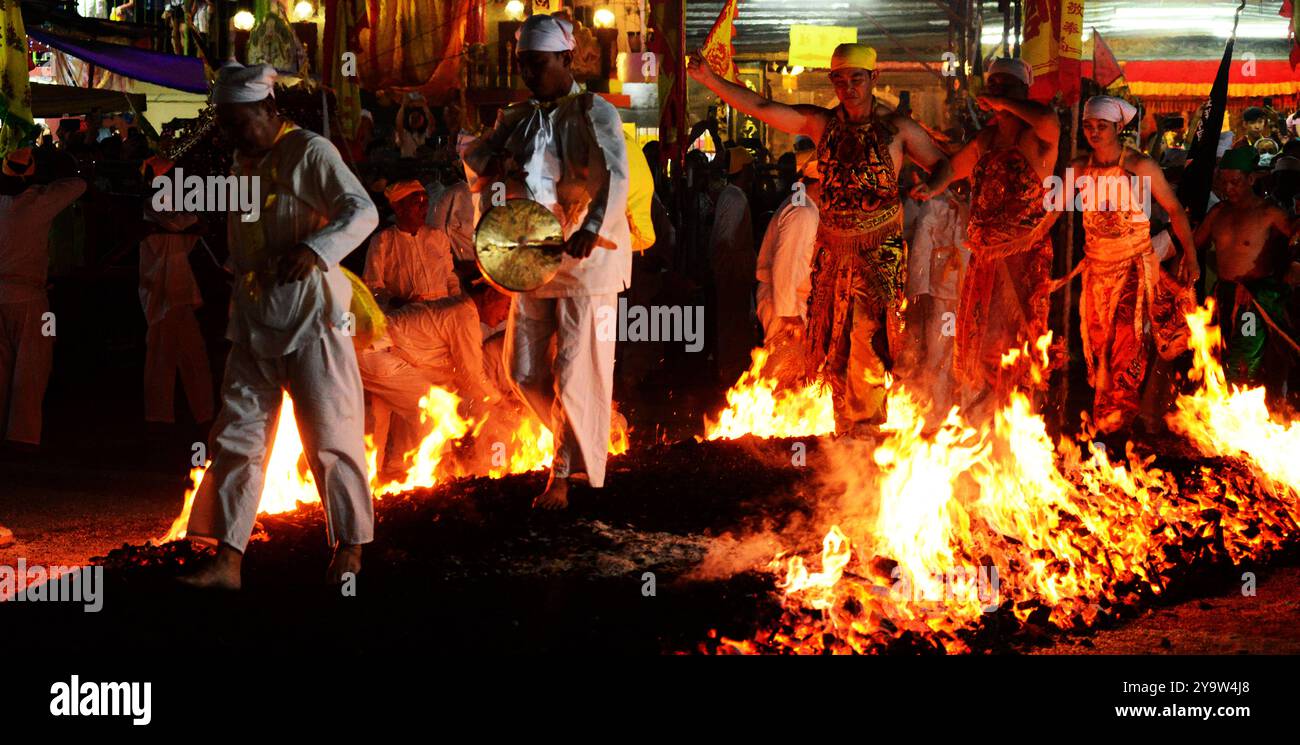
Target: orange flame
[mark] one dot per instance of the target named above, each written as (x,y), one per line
(757,405)
(948,525)
(289,482)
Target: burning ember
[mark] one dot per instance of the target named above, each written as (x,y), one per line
(947,526)
(289,482)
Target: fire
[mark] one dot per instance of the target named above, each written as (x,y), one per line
(1233,422)
(947,525)
(758,405)
(289,482)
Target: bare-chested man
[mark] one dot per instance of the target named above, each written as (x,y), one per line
(1250,237)
(855,308)
(1001,306)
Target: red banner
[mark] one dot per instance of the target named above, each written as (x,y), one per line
(1053,46)
(1105,68)
(667,24)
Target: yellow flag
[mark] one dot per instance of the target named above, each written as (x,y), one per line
(16,123)
(718,49)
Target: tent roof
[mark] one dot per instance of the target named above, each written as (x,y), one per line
(1134,29)
(66,100)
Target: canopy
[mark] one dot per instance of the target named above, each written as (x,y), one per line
(66,100)
(1183,85)
(170,70)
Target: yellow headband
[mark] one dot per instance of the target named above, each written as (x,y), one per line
(853,56)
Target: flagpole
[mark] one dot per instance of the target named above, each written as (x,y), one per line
(1195,186)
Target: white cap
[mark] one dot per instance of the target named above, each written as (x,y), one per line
(543,33)
(239,84)
(1110,109)
(1013,66)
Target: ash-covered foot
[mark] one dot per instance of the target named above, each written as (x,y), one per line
(347,559)
(222,573)
(556,496)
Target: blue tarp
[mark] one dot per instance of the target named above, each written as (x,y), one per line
(170,70)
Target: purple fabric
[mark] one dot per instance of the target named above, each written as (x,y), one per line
(170,70)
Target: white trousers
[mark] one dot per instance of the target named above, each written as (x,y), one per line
(395,387)
(174,345)
(25,360)
(322,379)
(573,392)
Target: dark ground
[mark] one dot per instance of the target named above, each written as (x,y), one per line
(468,566)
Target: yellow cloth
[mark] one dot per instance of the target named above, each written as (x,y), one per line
(15,93)
(640,194)
(848,56)
(370,321)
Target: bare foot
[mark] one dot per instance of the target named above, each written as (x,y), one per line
(347,559)
(556,496)
(222,573)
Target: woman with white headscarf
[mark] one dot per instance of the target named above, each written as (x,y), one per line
(1116,185)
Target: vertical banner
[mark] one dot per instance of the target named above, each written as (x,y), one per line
(1053,47)
(16,124)
(718,49)
(1202,154)
(344,20)
(667,22)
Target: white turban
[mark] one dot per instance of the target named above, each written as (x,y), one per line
(543,33)
(238,84)
(1016,68)
(1110,109)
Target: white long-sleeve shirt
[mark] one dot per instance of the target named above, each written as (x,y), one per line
(25,237)
(411,267)
(318,202)
(939,232)
(785,259)
(453,214)
(577,167)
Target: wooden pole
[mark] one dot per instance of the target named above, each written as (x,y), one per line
(1067,293)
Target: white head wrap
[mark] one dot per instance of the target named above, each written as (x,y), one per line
(543,33)
(1110,109)
(239,84)
(1015,67)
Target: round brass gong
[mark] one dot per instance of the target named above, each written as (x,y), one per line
(519,245)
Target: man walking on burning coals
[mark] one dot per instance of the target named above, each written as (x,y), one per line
(1121,270)
(1001,306)
(856,305)
(290,328)
(569,146)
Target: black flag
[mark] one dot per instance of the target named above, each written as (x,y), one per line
(1194,187)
